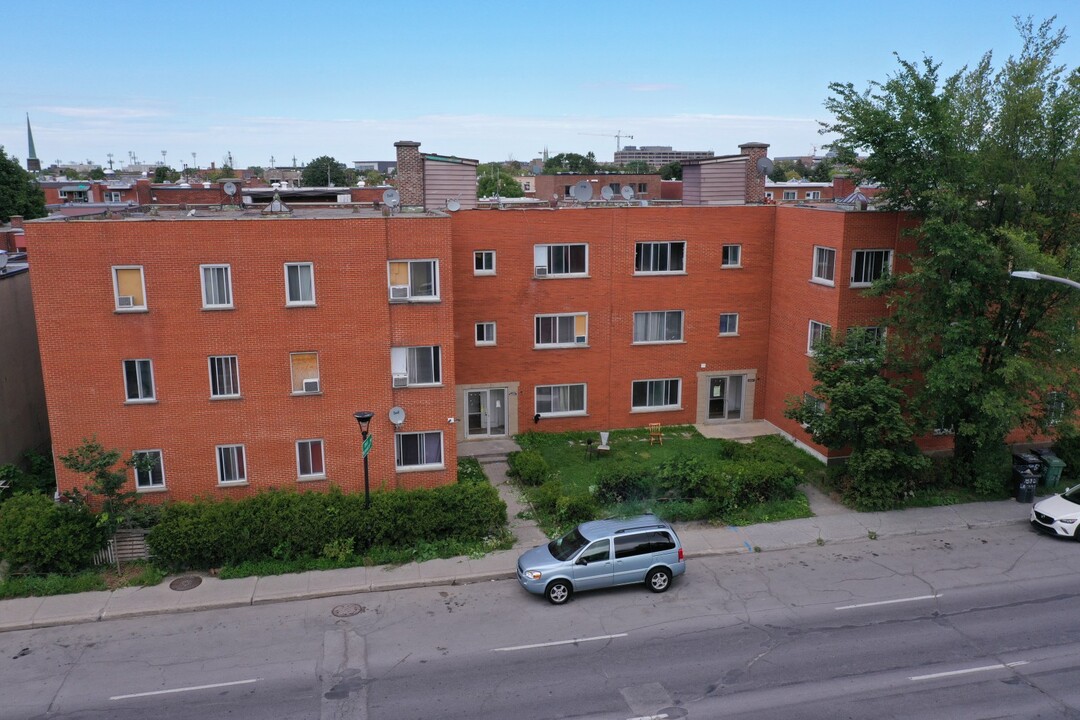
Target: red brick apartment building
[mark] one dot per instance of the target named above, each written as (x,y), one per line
(235,344)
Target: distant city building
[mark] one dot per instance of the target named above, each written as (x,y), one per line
(658,155)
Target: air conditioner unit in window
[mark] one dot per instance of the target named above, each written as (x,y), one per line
(540,271)
(125,301)
(399,292)
(580,339)
(401,380)
(311,386)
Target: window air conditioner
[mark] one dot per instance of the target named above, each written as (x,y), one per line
(540,271)
(126,301)
(311,386)
(401,380)
(580,339)
(399,292)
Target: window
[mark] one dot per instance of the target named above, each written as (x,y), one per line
(149,472)
(419,365)
(824,265)
(305,373)
(768,195)
(818,332)
(484,262)
(309,459)
(231,464)
(662,326)
(643,188)
(731,256)
(660,257)
(299,284)
(561,330)
(417,451)
(216,287)
(789,194)
(813,194)
(869,265)
(642,544)
(560,399)
(872,334)
(224,376)
(129,288)
(139,380)
(597,552)
(112,197)
(560,260)
(615,187)
(729,323)
(656,394)
(414,280)
(485,333)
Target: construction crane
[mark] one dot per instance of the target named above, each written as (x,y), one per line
(618,138)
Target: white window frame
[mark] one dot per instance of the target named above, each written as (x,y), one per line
(235,451)
(403,361)
(139,373)
(820,253)
(790,195)
(299,266)
(207,305)
(160,468)
(768,194)
(438,465)
(732,332)
(411,295)
(112,196)
(116,289)
(886,266)
(659,253)
(542,260)
(813,194)
(303,449)
(484,258)
(815,331)
(657,408)
(317,378)
(567,389)
(488,330)
(664,340)
(574,340)
(215,363)
(725,256)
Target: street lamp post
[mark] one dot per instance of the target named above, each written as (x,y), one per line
(1033,275)
(363,419)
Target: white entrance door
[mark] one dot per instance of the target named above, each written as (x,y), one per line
(486,410)
(725,397)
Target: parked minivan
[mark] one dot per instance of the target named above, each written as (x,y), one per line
(604,553)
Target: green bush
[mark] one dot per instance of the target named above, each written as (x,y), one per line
(685,476)
(470,470)
(41,536)
(563,509)
(1068,449)
(289,525)
(622,483)
(528,466)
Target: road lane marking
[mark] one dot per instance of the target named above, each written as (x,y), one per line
(185,689)
(650,717)
(888,602)
(969,670)
(559,642)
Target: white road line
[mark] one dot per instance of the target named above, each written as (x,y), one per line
(650,717)
(969,670)
(887,602)
(559,642)
(185,689)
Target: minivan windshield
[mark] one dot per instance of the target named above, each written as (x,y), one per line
(1072,494)
(567,545)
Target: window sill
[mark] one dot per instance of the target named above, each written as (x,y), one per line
(238,483)
(130,311)
(563,276)
(301,393)
(485,344)
(659,342)
(215,398)
(861,284)
(655,273)
(310,478)
(484,273)
(545,416)
(819,281)
(734,334)
(420,468)
(148,401)
(658,408)
(731,267)
(155,489)
(568,346)
(420,385)
(300,304)
(212,308)
(415,300)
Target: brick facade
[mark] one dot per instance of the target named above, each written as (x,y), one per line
(410,174)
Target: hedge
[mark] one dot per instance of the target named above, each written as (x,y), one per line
(38,535)
(528,466)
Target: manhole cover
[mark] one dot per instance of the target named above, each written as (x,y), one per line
(185,582)
(347,610)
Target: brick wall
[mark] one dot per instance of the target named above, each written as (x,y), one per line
(410,174)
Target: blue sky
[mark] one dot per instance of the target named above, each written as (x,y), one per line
(486,80)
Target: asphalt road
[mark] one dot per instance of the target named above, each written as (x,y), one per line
(975,624)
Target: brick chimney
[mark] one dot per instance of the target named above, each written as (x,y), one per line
(842,186)
(755,179)
(143,194)
(410,175)
(17,221)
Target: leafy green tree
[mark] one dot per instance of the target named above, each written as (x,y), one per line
(19,192)
(164,173)
(257,171)
(637,167)
(988,164)
(493,180)
(217,174)
(572,163)
(96,174)
(671,171)
(374,178)
(105,480)
(322,172)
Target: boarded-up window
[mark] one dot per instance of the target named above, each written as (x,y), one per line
(305,372)
(128,282)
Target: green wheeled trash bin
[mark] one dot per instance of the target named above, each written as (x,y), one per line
(1052,467)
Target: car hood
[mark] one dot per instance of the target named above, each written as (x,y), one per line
(538,557)
(1058,507)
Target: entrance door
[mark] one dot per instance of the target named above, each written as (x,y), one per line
(486,410)
(725,397)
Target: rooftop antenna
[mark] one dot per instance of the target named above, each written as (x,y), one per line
(271,162)
(110,156)
(194,162)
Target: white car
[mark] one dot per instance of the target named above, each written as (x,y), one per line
(1058,515)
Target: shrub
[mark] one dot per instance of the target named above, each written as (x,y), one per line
(42,536)
(881,479)
(737,483)
(1068,449)
(622,483)
(470,470)
(529,466)
(685,475)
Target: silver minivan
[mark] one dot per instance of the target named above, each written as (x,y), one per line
(604,553)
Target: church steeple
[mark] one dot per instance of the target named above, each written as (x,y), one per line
(32,162)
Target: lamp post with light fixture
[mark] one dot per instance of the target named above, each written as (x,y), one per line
(363,419)
(1033,275)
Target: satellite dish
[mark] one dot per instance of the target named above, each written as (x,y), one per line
(397,415)
(582,191)
(229,188)
(391,198)
(644,203)
(627,192)
(764,165)
(607,193)
(191,213)
(453,205)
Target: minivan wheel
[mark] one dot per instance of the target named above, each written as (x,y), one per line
(558,592)
(659,580)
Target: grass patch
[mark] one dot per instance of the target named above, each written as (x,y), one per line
(43,585)
(772,511)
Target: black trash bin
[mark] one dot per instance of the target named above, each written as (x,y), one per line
(1026,466)
(1025,492)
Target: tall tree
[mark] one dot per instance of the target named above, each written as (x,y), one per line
(322,172)
(19,192)
(493,180)
(671,171)
(988,164)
